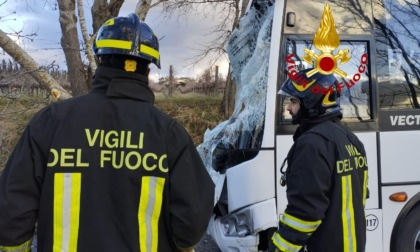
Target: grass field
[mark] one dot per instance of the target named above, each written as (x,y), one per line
(196,113)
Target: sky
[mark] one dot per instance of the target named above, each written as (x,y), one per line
(179,38)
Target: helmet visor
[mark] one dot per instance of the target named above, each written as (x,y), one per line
(282,92)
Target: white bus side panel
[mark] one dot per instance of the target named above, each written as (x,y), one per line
(252,181)
(374,225)
(399,156)
(284,143)
(369,141)
(268,139)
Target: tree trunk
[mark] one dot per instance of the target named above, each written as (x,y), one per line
(71,47)
(171,81)
(86,38)
(216,82)
(39,74)
(142,8)
(102,11)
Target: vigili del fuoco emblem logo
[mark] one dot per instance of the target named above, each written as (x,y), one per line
(326,40)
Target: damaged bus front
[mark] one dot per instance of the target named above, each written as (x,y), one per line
(380,100)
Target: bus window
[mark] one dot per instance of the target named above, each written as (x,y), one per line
(397,34)
(350,17)
(353,88)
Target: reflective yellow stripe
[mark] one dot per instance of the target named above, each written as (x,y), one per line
(284,245)
(299,224)
(144,198)
(149,212)
(58,214)
(66,211)
(114,43)
(24,247)
(149,51)
(347,214)
(365,185)
(126,45)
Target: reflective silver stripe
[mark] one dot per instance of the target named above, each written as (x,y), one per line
(66,211)
(149,212)
(299,224)
(284,245)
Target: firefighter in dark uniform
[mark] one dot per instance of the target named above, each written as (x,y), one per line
(326,173)
(107,171)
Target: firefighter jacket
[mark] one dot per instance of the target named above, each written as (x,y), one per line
(326,191)
(106,171)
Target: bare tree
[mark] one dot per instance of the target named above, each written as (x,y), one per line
(143,7)
(38,73)
(79,75)
(79,78)
(103,10)
(229,11)
(71,47)
(228,14)
(88,40)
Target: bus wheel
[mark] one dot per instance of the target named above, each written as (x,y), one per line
(408,238)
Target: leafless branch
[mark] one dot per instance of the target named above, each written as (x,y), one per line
(86,38)
(225,13)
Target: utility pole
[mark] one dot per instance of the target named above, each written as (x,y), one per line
(216,82)
(171,80)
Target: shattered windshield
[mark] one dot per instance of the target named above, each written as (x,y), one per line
(239,138)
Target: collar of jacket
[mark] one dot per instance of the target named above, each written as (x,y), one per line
(118,83)
(303,127)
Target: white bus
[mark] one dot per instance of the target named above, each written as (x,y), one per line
(380,101)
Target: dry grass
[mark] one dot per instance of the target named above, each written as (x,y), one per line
(195,113)
(14,115)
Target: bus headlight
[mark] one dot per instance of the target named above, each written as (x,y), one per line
(237,224)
